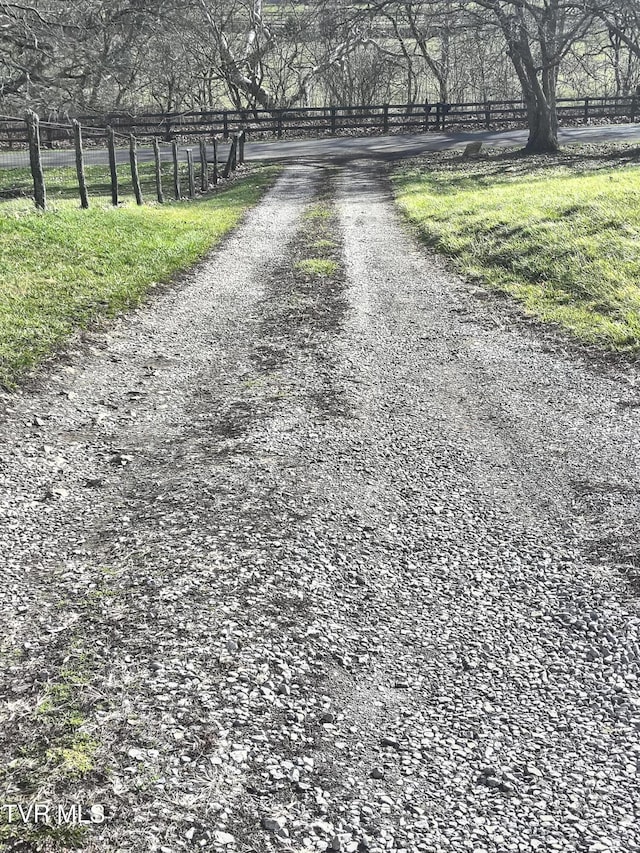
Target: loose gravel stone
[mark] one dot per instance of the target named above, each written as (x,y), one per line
(326,565)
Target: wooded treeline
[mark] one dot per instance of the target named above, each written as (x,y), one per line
(76,56)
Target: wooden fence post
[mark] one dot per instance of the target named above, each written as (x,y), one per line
(33,130)
(113,165)
(225,125)
(191,173)
(633,109)
(204,176)
(82,180)
(158,170)
(176,170)
(427,110)
(135,177)
(215,161)
(234,152)
(280,124)
(333,120)
(586,110)
(241,139)
(487,115)
(230,164)
(385,118)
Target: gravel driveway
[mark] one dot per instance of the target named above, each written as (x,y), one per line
(349,572)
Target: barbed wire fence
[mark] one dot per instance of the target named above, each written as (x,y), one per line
(51,160)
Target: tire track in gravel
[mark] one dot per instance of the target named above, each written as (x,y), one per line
(74,549)
(507,681)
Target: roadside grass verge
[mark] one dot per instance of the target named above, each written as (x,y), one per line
(62,183)
(65,269)
(561,235)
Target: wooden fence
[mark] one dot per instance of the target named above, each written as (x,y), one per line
(108,137)
(377,118)
(380,118)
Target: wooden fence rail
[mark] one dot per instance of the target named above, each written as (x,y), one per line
(385,118)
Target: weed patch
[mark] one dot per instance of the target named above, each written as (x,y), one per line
(316,266)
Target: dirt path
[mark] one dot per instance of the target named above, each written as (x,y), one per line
(338,564)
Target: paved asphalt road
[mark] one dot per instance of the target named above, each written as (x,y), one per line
(344,149)
(329,565)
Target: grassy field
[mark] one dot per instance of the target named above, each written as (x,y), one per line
(560,234)
(66,268)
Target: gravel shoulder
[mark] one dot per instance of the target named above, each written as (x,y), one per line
(340,567)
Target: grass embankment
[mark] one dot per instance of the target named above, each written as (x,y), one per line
(64,269)
(561,235)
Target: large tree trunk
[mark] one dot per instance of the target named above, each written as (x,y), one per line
(543,125)
(538,84)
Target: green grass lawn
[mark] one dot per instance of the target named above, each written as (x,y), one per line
(61,181)
(64,269)
(561,235)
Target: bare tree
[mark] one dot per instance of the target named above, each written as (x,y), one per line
(100,55)
(25,45)
(246,50)
(622,20)
(538,35)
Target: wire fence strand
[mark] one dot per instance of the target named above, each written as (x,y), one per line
(74,162)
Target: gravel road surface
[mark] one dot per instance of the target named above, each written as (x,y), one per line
(347,570)
(344,148)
